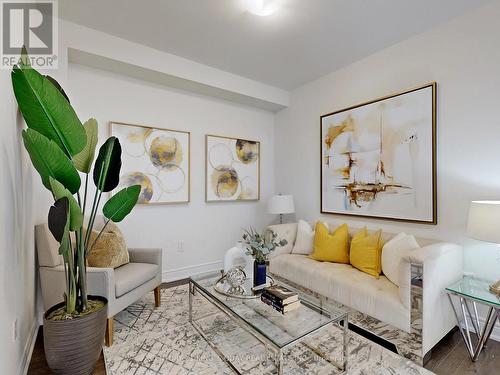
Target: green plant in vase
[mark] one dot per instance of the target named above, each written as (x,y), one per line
(260,246)
(61,148)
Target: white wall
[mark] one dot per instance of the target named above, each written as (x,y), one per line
(206,230)
(464,58)
(17,256)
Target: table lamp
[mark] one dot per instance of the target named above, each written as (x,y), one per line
(280,205)
(484,225)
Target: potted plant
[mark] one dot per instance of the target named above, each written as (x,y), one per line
(259,246)
(60,147)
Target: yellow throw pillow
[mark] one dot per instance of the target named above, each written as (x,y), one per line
(331,247)
(366,252)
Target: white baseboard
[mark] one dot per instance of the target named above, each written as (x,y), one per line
(28,349)
(185,272)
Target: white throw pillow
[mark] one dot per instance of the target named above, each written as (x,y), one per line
(286,232)
(392,254)
(304,241)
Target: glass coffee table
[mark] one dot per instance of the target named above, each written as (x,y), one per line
(275,330)
(470,291)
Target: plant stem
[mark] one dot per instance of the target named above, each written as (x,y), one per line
(85,193)
(91,222)
(71,299)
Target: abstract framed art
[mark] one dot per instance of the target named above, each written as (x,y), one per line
(157,159)
(378,159)
(232,169)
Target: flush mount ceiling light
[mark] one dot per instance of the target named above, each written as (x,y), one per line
(263,8)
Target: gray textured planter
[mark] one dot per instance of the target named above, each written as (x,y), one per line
(72,347)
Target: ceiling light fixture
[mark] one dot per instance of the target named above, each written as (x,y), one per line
(263,8)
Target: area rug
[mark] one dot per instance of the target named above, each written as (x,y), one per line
(162,341)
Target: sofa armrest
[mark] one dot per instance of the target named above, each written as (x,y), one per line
(101,282)
(440,265)
(433,252)
(152,256)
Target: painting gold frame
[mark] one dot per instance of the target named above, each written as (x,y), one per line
(110,131)
(434,219)
(206,170)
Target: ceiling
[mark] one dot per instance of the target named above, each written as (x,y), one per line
(302,41)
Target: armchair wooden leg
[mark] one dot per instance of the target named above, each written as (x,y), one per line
(108,339)
(157,296)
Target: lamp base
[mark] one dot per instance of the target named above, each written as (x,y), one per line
(495,288)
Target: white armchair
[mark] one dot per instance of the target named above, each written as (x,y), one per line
(121,286)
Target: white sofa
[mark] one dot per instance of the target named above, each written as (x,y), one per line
(435,265)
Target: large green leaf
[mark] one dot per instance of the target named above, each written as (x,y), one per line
(50,161)
(58,86)
(120,204)
(59,225)
(58,218)
(75,213)
(107,165)
(83,160)
(46,110)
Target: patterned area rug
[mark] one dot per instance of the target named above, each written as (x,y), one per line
(162,341)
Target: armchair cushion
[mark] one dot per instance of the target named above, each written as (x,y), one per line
(47,247)
(133,275)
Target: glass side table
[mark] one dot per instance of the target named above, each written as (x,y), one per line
(471,291)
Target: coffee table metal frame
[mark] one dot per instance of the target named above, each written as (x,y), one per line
(268,343)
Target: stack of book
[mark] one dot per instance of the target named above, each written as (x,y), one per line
(280,298)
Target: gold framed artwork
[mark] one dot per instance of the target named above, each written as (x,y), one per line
(157,159)
(378,159)
(232,169)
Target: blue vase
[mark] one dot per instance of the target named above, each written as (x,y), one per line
(259,273)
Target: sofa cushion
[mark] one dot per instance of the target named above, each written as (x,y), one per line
(331,247)
(305,238)
(286,232)
(365,252)
(132,275)
(343,283)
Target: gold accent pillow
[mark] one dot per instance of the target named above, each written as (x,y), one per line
(366,252)
(110,250)
(331,247)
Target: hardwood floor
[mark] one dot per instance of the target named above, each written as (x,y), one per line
(449,357)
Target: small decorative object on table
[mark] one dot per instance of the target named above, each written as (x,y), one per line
(280,298)
(259,246)
(495,288)
(236,278)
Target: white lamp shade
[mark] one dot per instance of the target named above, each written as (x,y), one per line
(281,204)
(484,221)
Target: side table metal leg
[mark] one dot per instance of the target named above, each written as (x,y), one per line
(476,315)
(489,324)
(473,319)
(467,331)
(460,327)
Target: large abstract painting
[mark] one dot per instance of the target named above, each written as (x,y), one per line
(378,158)
(232,169)
(157,159)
